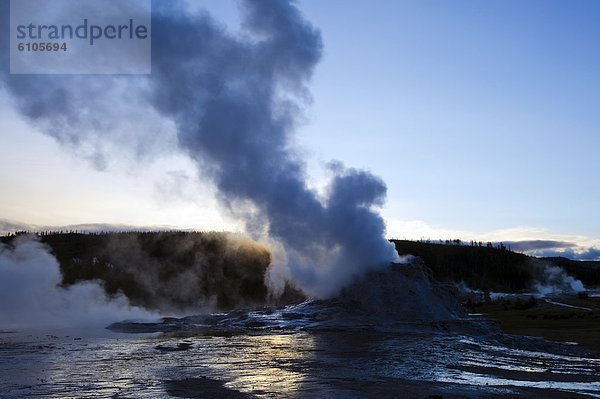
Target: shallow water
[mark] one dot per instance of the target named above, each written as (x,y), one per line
(310,350)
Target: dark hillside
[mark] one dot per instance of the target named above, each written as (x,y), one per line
(484,267)
(181,270)
(166,270)
(492,268)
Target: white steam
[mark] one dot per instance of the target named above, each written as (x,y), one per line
(30,295)
(555,280)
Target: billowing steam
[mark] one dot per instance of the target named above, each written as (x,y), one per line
(235,102)
(30,295)
(555,281)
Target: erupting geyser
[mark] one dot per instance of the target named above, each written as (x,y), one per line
(235,102)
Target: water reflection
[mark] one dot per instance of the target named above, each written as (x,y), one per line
(267,364)
(329,361)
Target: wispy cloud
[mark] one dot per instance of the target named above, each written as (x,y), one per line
(576,253)
(537,245)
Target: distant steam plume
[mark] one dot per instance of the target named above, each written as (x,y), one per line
(235,102)
(555,280)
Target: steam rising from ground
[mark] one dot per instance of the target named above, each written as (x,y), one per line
(234,102)
(555,280)
(30,295)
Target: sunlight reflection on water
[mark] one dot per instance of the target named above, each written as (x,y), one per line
(267,361)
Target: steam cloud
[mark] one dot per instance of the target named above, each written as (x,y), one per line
(235,102)
(555,280)
(30,295)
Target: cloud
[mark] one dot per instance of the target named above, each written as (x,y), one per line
(576,253)
(10,226)
(553,248)
(536,245)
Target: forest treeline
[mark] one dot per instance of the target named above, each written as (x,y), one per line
(492,268)
(183,270)
(167,270)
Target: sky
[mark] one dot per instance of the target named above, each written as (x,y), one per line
(481,117)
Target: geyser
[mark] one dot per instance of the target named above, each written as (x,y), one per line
(235,102)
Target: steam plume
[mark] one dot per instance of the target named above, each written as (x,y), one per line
(235,102)
(555,280)
(30,295)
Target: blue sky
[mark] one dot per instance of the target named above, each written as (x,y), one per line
(481,117)
(478,115)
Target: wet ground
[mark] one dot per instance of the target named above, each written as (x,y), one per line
(311,350)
